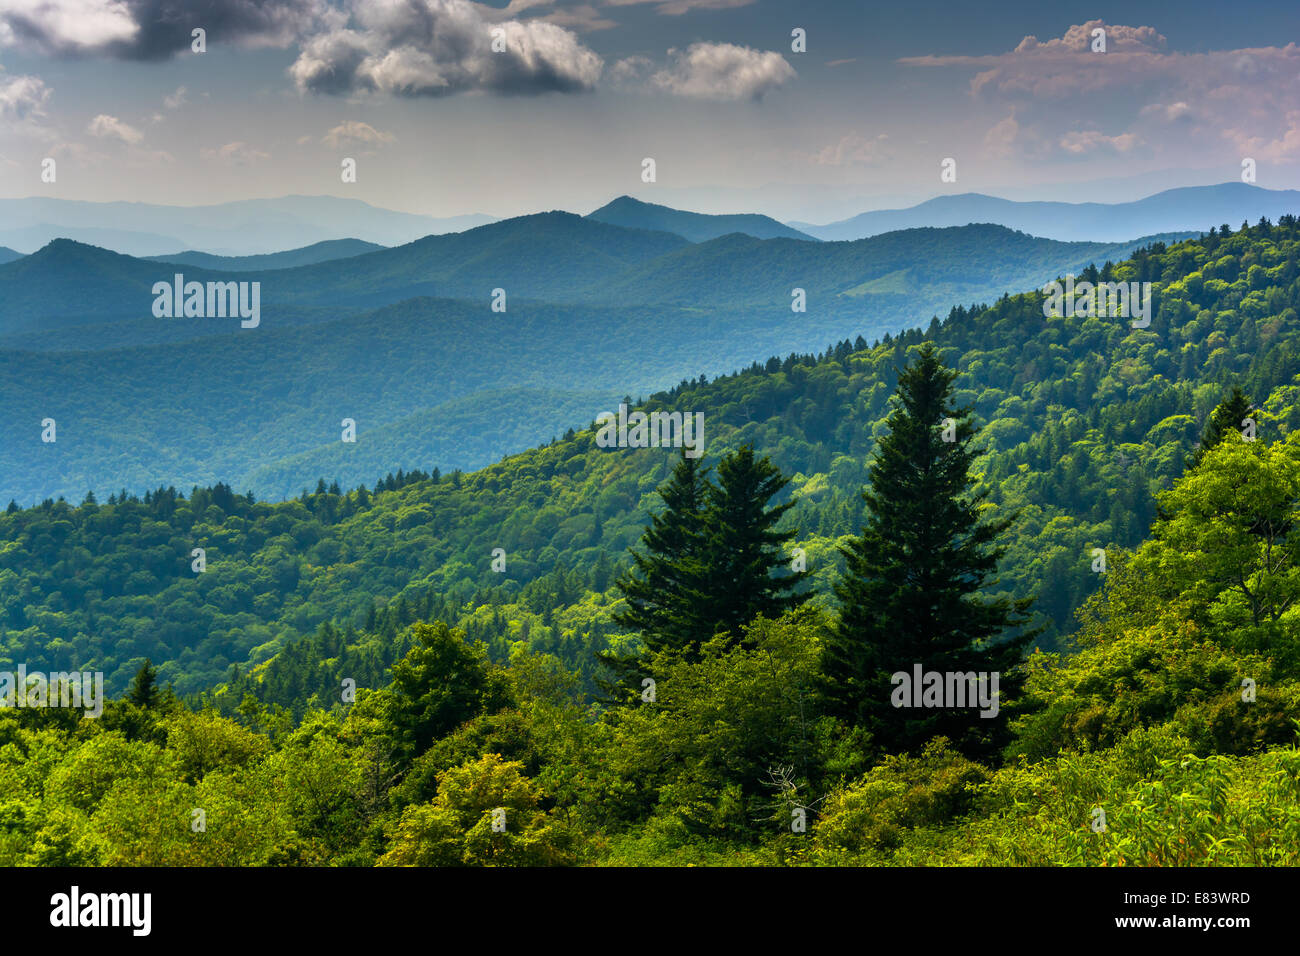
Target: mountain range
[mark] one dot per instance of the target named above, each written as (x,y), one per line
(325,251)
(563,258)
(1082,419)
(241,228)
(697,227)
(405,342)
(1174,210)
(269,226)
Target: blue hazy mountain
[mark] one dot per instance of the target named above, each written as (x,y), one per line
(911,272)
(552,256)
(1190,208)
(69,283)
(326,251)
(697,227)
(8,255)
(559,257)
(242,228)
(592,308)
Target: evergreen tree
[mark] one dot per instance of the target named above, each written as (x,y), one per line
(664,579)
(1224,420)
(742,549)
(909,595)
(144,690)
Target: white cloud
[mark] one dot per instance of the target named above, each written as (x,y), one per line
(1281,146)
(79,154)
(999,140)
(723,71)
(1080,142)
(1167,112)
(356,133)
(674,8)
(153,29)
(631,71)
(22,98)
(110,127)
(176,100)
(66,26)
(235,154)
(852,150)
(1216,102)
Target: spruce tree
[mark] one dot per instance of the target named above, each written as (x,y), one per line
(1224,420)
(658,585)
(743,552)
(910,594)
(662,583)
(144,690)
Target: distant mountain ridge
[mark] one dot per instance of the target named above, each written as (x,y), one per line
(241,228)
(327,251)
(402,338)
(560,257)
(8,255)
(1174,210)
(697,227)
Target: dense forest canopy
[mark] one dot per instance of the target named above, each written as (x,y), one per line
(1082,419)
(581,655)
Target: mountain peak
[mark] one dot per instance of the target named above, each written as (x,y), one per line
(632,213)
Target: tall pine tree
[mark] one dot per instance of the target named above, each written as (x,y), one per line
(712,561)
(910,594)
(744,554)
(659,588)
(144,690)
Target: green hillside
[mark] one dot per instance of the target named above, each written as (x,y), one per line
(67,284)
(1085,419)
(1165,735)
(132,412)
(268,403)
(943,266)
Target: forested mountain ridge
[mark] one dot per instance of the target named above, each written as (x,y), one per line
(563,258)
(1061,399)
(1171,209)
(345,339)
(327,250)
(697,227)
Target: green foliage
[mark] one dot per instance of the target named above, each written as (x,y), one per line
(440,683)
(1173,713)
(659,589)
(1228,418)
(910,595)
(727,743)
(110,583)
(486,814)
(902,793)
(742,553)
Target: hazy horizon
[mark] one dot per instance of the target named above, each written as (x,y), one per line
(579,94)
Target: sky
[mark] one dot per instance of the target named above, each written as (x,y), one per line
(577,94)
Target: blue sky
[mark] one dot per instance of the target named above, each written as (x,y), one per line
(736,120)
